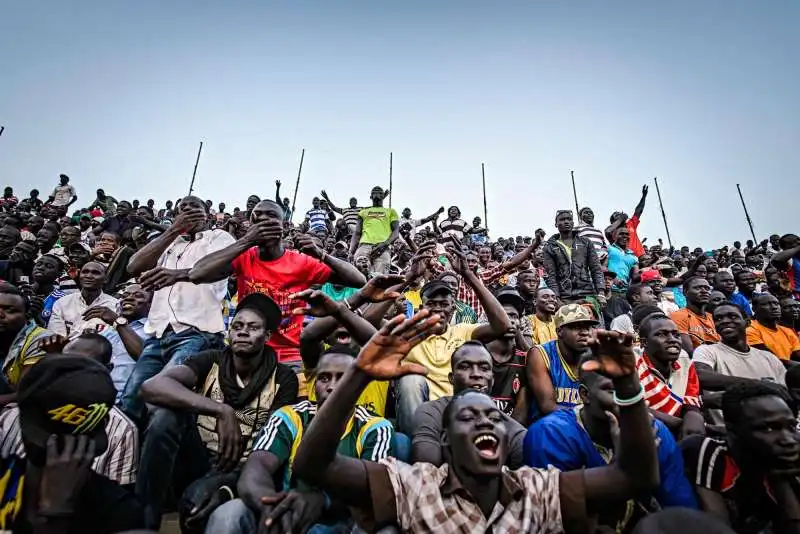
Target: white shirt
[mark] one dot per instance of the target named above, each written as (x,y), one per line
(62,194)
(666,306)
(622,323)
(186,305)
(411,222)
(67,317)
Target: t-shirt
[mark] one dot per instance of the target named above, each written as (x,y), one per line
(700,329)
(338,293)
(596,237)
(741,301)
(317,220)
(62,194)
(350,216)
(376,224)
(756,364)
(453,228)
(278,391)
(291,273)
(541,331)
(620,262)
(103,506)
(509,379)
(365,436)
(781,342)
(634,243)
(411,223)
(434,354)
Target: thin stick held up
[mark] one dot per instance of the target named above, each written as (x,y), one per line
(663,215)
(574,193)
(746,214)
(297,183)
(194,172)
(485,211)
(390,180)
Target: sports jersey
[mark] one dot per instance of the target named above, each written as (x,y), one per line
(565,381)
(366,436)
(509,380)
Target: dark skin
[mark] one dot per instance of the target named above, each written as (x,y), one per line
(663,347)
(378,249)
(91,278)
(731,325)
(289,511)
(697,295)
(767,311)
(266,233)
(573,340)
(765,446)
(502,350)
(45,273)
(790,312)
(135,304)
(723,282)
(46,240)
(12,320)
(746,282)
(473,415)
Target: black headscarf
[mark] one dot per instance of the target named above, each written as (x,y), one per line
(236,396)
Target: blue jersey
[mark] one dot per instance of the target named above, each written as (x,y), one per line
(560,440)
(565,381)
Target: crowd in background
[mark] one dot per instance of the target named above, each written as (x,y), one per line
(174,358)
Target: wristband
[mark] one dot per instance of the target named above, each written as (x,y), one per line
(229,491)
(630,401)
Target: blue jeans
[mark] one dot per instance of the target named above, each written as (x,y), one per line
(172,349)
(234,517)
(412,391)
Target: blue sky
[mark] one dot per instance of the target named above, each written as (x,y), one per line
(701,94)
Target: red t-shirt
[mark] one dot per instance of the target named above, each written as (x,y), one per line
(634,243)
(291,273)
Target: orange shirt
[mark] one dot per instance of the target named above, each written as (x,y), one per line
(700,329)
(781,342)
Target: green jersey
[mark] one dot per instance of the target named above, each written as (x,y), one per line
(366,436)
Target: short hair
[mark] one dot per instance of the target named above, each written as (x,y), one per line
(730,304)
(684,520)
(793,377)
(691,280)
(114,234)
(735,395)
(787,240)
(447,414)
(642,315)
(10,289)
(633,291)
(340,348)
(758,297)
(466,344)
(741,273)
(106,348)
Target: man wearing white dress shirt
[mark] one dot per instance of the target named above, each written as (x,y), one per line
(184,318)
(68,318)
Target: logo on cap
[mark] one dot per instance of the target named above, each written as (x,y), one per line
(83,419)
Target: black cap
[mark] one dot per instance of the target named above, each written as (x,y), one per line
(509,295)
(264,306)
(435,286)
(63,394)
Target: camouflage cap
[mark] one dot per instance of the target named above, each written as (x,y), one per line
(573,313)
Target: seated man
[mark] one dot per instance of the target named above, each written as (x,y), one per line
(367,436)
(582,438)
(474,484)
(553,367)
(765,333)
(233,392)
(69,317)
(120,461)
(64,402)
(471,368)
(749,479)
(672,389)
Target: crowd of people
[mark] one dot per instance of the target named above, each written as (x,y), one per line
(353,369)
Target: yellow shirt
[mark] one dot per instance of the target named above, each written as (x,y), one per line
(373,398)
(434,354)
(542,331)
(413,296)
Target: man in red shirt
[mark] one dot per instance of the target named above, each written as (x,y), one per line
(261,264)
(618,218)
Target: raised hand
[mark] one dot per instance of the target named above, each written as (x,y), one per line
(324,194)
(306,245)
(377,289)
(106,315)
(645,189)
(382,356)
(264,232)
(319,304)
(188,219)
(278,183)
(53,344)
(613,354)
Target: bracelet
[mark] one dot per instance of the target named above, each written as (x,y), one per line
(229,491)
(630,401)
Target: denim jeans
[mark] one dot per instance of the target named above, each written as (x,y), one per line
(412,391)
(171,349)
(169,434)
(234,517)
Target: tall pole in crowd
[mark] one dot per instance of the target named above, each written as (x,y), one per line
(194,172)
(2,128)
(747,215)
(575,194)
(390,180)
(297,184)
(485,211)
(663,215)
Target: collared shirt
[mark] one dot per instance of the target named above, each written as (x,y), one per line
(425,498)
(186,305)
(670,395)
(434,354)
(67,318)
(120,461)
(120,359)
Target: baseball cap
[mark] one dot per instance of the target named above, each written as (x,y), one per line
(573,313)
(609,274)
(435,286)
(509,295)
(264,306)
(63,394)
(650,275)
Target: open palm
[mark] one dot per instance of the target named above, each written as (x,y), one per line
(382,357)
(378,288)
(613,354)
(319,304)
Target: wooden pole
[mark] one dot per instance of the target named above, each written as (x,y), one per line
(390,180)
(746,214)
(2,128)
(485,211)
(663,215)
(575,194)
(297,184)
(194,172)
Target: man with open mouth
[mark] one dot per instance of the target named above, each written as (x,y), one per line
(474,491)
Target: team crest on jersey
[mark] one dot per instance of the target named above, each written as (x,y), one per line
(515,385)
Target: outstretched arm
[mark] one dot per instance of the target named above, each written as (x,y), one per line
(331,205)
(637,212)
(432,217)
(524,255)
(781,259)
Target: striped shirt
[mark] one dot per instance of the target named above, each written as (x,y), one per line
(596,237)
(670,395)
(350,216)
(317,220)
(119,463)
